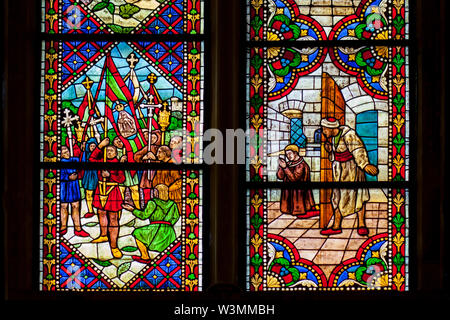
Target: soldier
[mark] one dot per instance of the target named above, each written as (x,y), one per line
(159,234)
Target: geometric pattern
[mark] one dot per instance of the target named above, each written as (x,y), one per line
(368,269)
(167,56)
(75,273)
(76,19)
(297,136)
(375,20)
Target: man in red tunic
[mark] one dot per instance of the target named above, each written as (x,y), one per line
(108,198)
(297,202)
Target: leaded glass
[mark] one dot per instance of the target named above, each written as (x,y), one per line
(90,86)
(328,161)
(289,101)
(122,16)
(288,252)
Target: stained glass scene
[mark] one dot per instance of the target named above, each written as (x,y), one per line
(291,248)
(124,92)
(123,16)
(102,230)
(312,20)
(333,115)
(108,105)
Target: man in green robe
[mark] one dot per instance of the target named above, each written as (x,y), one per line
(159,234)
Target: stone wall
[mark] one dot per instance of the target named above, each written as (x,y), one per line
(308,91)
(327,12)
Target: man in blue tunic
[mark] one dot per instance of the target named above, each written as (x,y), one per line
(70,195)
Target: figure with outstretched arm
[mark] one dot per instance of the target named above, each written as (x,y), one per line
(350,163)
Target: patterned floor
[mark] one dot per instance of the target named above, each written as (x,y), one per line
(326,252)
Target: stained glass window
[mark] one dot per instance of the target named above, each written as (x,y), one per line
(121,121)
(328,165)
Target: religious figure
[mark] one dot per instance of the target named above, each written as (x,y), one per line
(297,202)
(162,214)
(350,162)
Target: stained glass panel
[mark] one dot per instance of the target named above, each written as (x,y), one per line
(289,249)
(90,88)
(104,231)
(122,16)
(312,20)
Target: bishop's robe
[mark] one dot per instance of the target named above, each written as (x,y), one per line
(296,202)
(349,158)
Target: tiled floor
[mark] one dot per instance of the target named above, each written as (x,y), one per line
(326,251)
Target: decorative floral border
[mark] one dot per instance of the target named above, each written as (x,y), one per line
(194,104)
